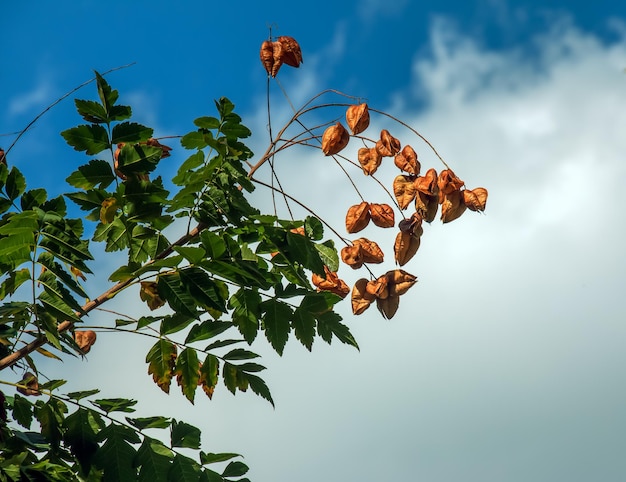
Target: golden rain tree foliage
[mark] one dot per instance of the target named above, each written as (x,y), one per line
(236,273)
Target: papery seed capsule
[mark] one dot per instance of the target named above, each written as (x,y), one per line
(475,199)
(358,118)
(357,217)
(334,139)
(291,52)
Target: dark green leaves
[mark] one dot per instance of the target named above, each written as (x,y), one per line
(91,139)
(96,173)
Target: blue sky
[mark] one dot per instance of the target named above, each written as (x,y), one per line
(506,364)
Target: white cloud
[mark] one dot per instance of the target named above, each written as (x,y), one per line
(33,100)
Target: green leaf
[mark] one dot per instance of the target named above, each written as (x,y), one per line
(22,411)
(313,228)
(108,97)
(15,184)
(259,387)
(207,329)
(91,111)
(205,291)
(304,327)
(207,122)
(187,376)
(161,361)
(96,173)
(183,469)
(152,460)
(179,299)
(134,158)
(116,457)
(89,138)
(211,458)
(209,372)
(184,435)
(246,312)
(328,324)
(328,254)
(143,423)
(193,254)
(81,435)
(303,251)
(33,198)
(130,132)
(235,469)
(82,394)
(175,323)
(214,244)
(276,322)
(240,354)
(114,234)
(115,404)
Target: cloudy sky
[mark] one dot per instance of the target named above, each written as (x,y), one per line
(505,362)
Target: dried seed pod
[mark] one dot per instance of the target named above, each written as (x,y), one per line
(267,56)
(165,150)
(358,118)
(85,339)
(452,206)
(352,256)
(404,190)
(388,306)
(330,283)
(149,293)
(387,145)
(405,247)
(406,160)
(427,183)
(3,157)
(357,217)
(334,139)
(29,385)
(369,159)
(361,299)
(291,52)
(382,215)
(370,251)
(278,57)
(412,225)
(448,182)
(378,288)
(399,281)
(299,230)
(426,206)
(475,199)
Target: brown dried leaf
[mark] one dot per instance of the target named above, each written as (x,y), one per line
(428,183)
(475,199)
(358,118)
(382,215)
(370,160)
(361,299)
(426,206)
(78,273)
(406,160)
(334,139)
(267,56)
(29,385)
(85,339)
(388,306)
(405,247)
(352,256)
(370,251)
(149,293)
(404,190)
(357,217)
(331,283)
(291,52)
(452,206)
(399,281)
(387,145)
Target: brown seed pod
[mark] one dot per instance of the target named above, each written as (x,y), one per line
(378,288)
(369,159)
(29,385)
(475,199)
(427,183)
(426,206)
(448,182)
(382,215)
(291,52)
(370,251)
(357,217)
(388,306)
(330,283)
(85,339)
(404,190)
(452,206)
(399,281)
(361,299)
(334,139)
(267,56)
(406,160)
(352,256)
(387,145)
(278,57)
(358,118)
(405,247)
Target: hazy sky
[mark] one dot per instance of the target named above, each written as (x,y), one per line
(505,362)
